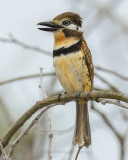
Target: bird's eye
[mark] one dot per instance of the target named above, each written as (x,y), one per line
(66,23)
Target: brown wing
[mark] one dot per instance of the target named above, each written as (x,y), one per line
(88,60)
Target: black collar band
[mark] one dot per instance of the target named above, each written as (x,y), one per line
(72,49)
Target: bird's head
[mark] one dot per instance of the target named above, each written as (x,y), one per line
(65,21)
(65,28)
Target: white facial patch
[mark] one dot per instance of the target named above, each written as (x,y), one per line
(72,26)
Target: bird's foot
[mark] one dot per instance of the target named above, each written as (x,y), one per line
(78,95)
(61,94)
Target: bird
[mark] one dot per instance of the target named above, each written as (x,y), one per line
(74,68)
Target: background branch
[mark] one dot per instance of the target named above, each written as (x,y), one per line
(79,149)
(25,132)
(112,72)
(26,77)
(115,102)
(49,117)
(113,88)
(24,45)
(109,124)
(5,157)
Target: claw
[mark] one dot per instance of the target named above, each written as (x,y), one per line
(59,95)
(65,93)
(78,95)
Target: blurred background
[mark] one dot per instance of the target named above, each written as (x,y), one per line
(24,50)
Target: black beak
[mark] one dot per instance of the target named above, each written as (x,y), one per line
(52,26)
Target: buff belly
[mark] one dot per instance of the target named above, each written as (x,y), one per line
(72,72)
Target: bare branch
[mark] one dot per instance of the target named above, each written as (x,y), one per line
(115,102)
(101,89)
(25,132)
(114,89)
(100,15)
(54,100)
(41,84)
(26,77)
(79,149)
(60,132)
(53,73)
(112,72)
(120,138)
(107,11)
(122,146)
(106,121)
(37,76)
(5,157)
(117,19)
(24,45)
(71,152)
(49,117)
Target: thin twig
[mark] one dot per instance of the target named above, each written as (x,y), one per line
(53,73)
(37,76)
(60,132)
(26,77)
(24,45)
(117,19)
(41,84)
(5,157)
(71,152)
(114,89)
(120,138)
(100,89)
(49,118)
(106,121)
(106,11)
(115,102)
(122,146)
(112,72)
(25,132)
(100,15)
(79,149)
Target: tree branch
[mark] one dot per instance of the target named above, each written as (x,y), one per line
(53,73)
(49,117)
(114,89)
(112,72)
(5,156)
(25,132)
(26,77)
(115,102)
(120,138)
(24,45)
(79,149)
(54,100)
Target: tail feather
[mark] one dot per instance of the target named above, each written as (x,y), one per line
(82,133)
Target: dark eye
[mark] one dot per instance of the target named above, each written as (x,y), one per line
(66,23)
